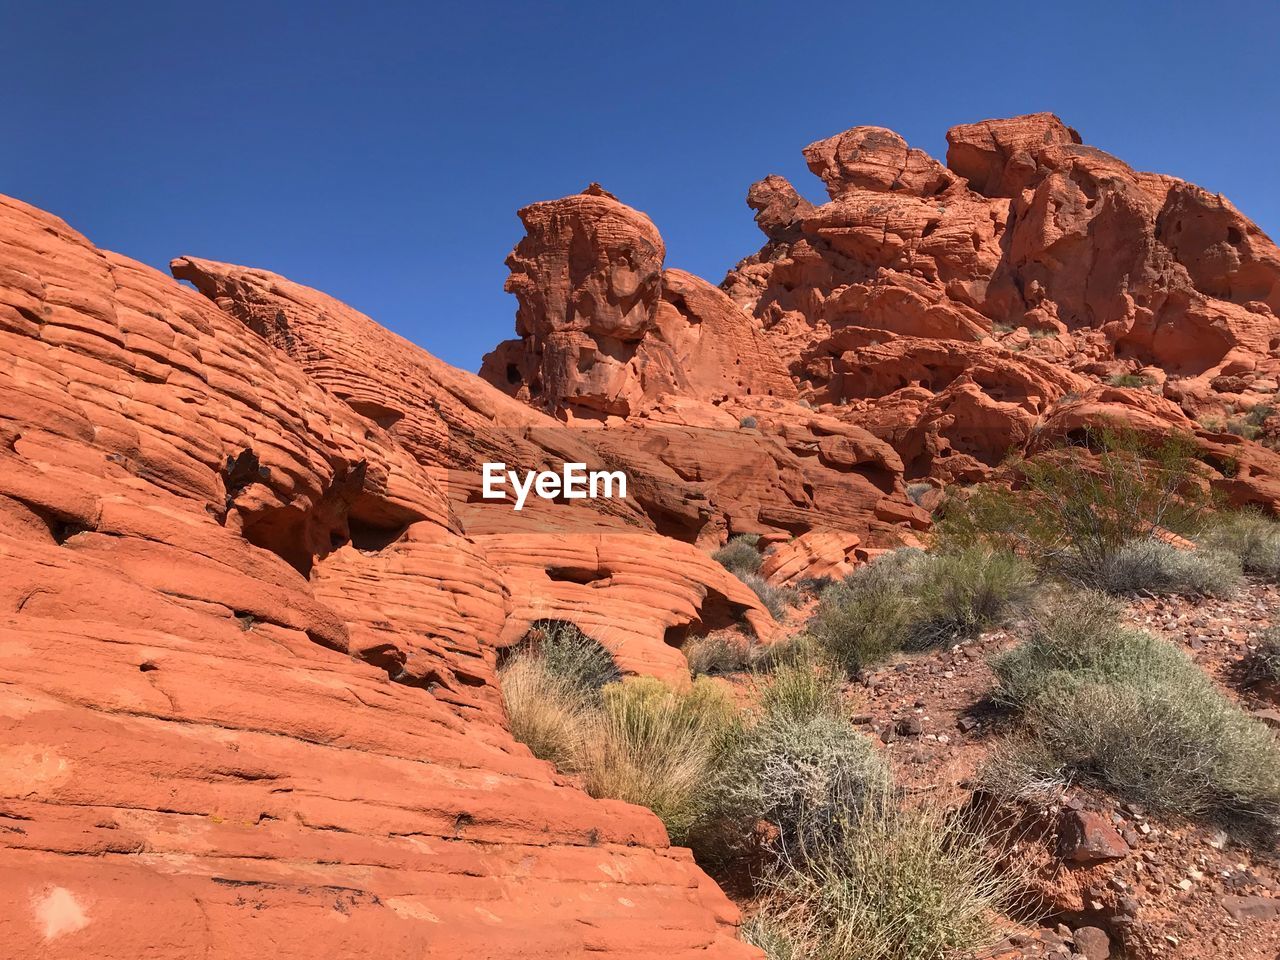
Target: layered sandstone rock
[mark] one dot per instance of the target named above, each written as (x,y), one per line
(683,380)
(951,309)
(247,658)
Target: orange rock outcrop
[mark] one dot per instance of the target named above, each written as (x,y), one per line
(248,664)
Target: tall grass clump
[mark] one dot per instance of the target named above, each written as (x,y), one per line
(903,884)
(1130,713)
(1249,535)
(660,747)
(718,652)
(545,712)
(805,685)
(740,556)
(910,600)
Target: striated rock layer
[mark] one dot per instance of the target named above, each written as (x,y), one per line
(247,665)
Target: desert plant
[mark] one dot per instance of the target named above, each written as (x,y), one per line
(568,653)
(773,598)
(747,423)
(770,935)
(806,686)
(867,617)
(910,600)
(740,556)
(1072,507)
(808,776)
(1262,664)
(967,591)
(660,747)
(1249,535)
(1131,713)
(906,884)
(1153,566)
(1129,380)
(721,651)
(545,712)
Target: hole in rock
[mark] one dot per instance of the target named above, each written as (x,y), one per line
(717,612)
(1234,236)
(582,575)
(513,374)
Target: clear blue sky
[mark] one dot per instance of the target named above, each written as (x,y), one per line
(379,151)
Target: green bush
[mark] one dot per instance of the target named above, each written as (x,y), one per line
(1153,566)
(1262,665)
(740,556)
(1249,535)
(719,652)
(803,688)
(570,654)
(904,884)
(1127,711)
(660,747)
(910,600)
(777,600)
(965,592)
(867,617)
(1073,507)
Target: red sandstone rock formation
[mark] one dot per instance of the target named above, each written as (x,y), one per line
(247,660)
(604,330)
(951,309)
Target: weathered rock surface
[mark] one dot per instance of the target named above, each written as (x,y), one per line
(953,309)
(246,665)
(604,330)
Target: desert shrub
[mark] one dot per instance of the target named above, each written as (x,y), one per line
(1154,566)
(660,747)
(747,423)
(917,491)
(739,556)
(721,651)
(1127,711)
(770,935)
(805,687)
(1129,380)
(967,591)
(808,776)
(773,598)
(1262,665)
(545,712)
(568,653)
(867,617)
(798,648)
(1249,535)
(1248,425)
(904,884)
(910,600)
(1072,507)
